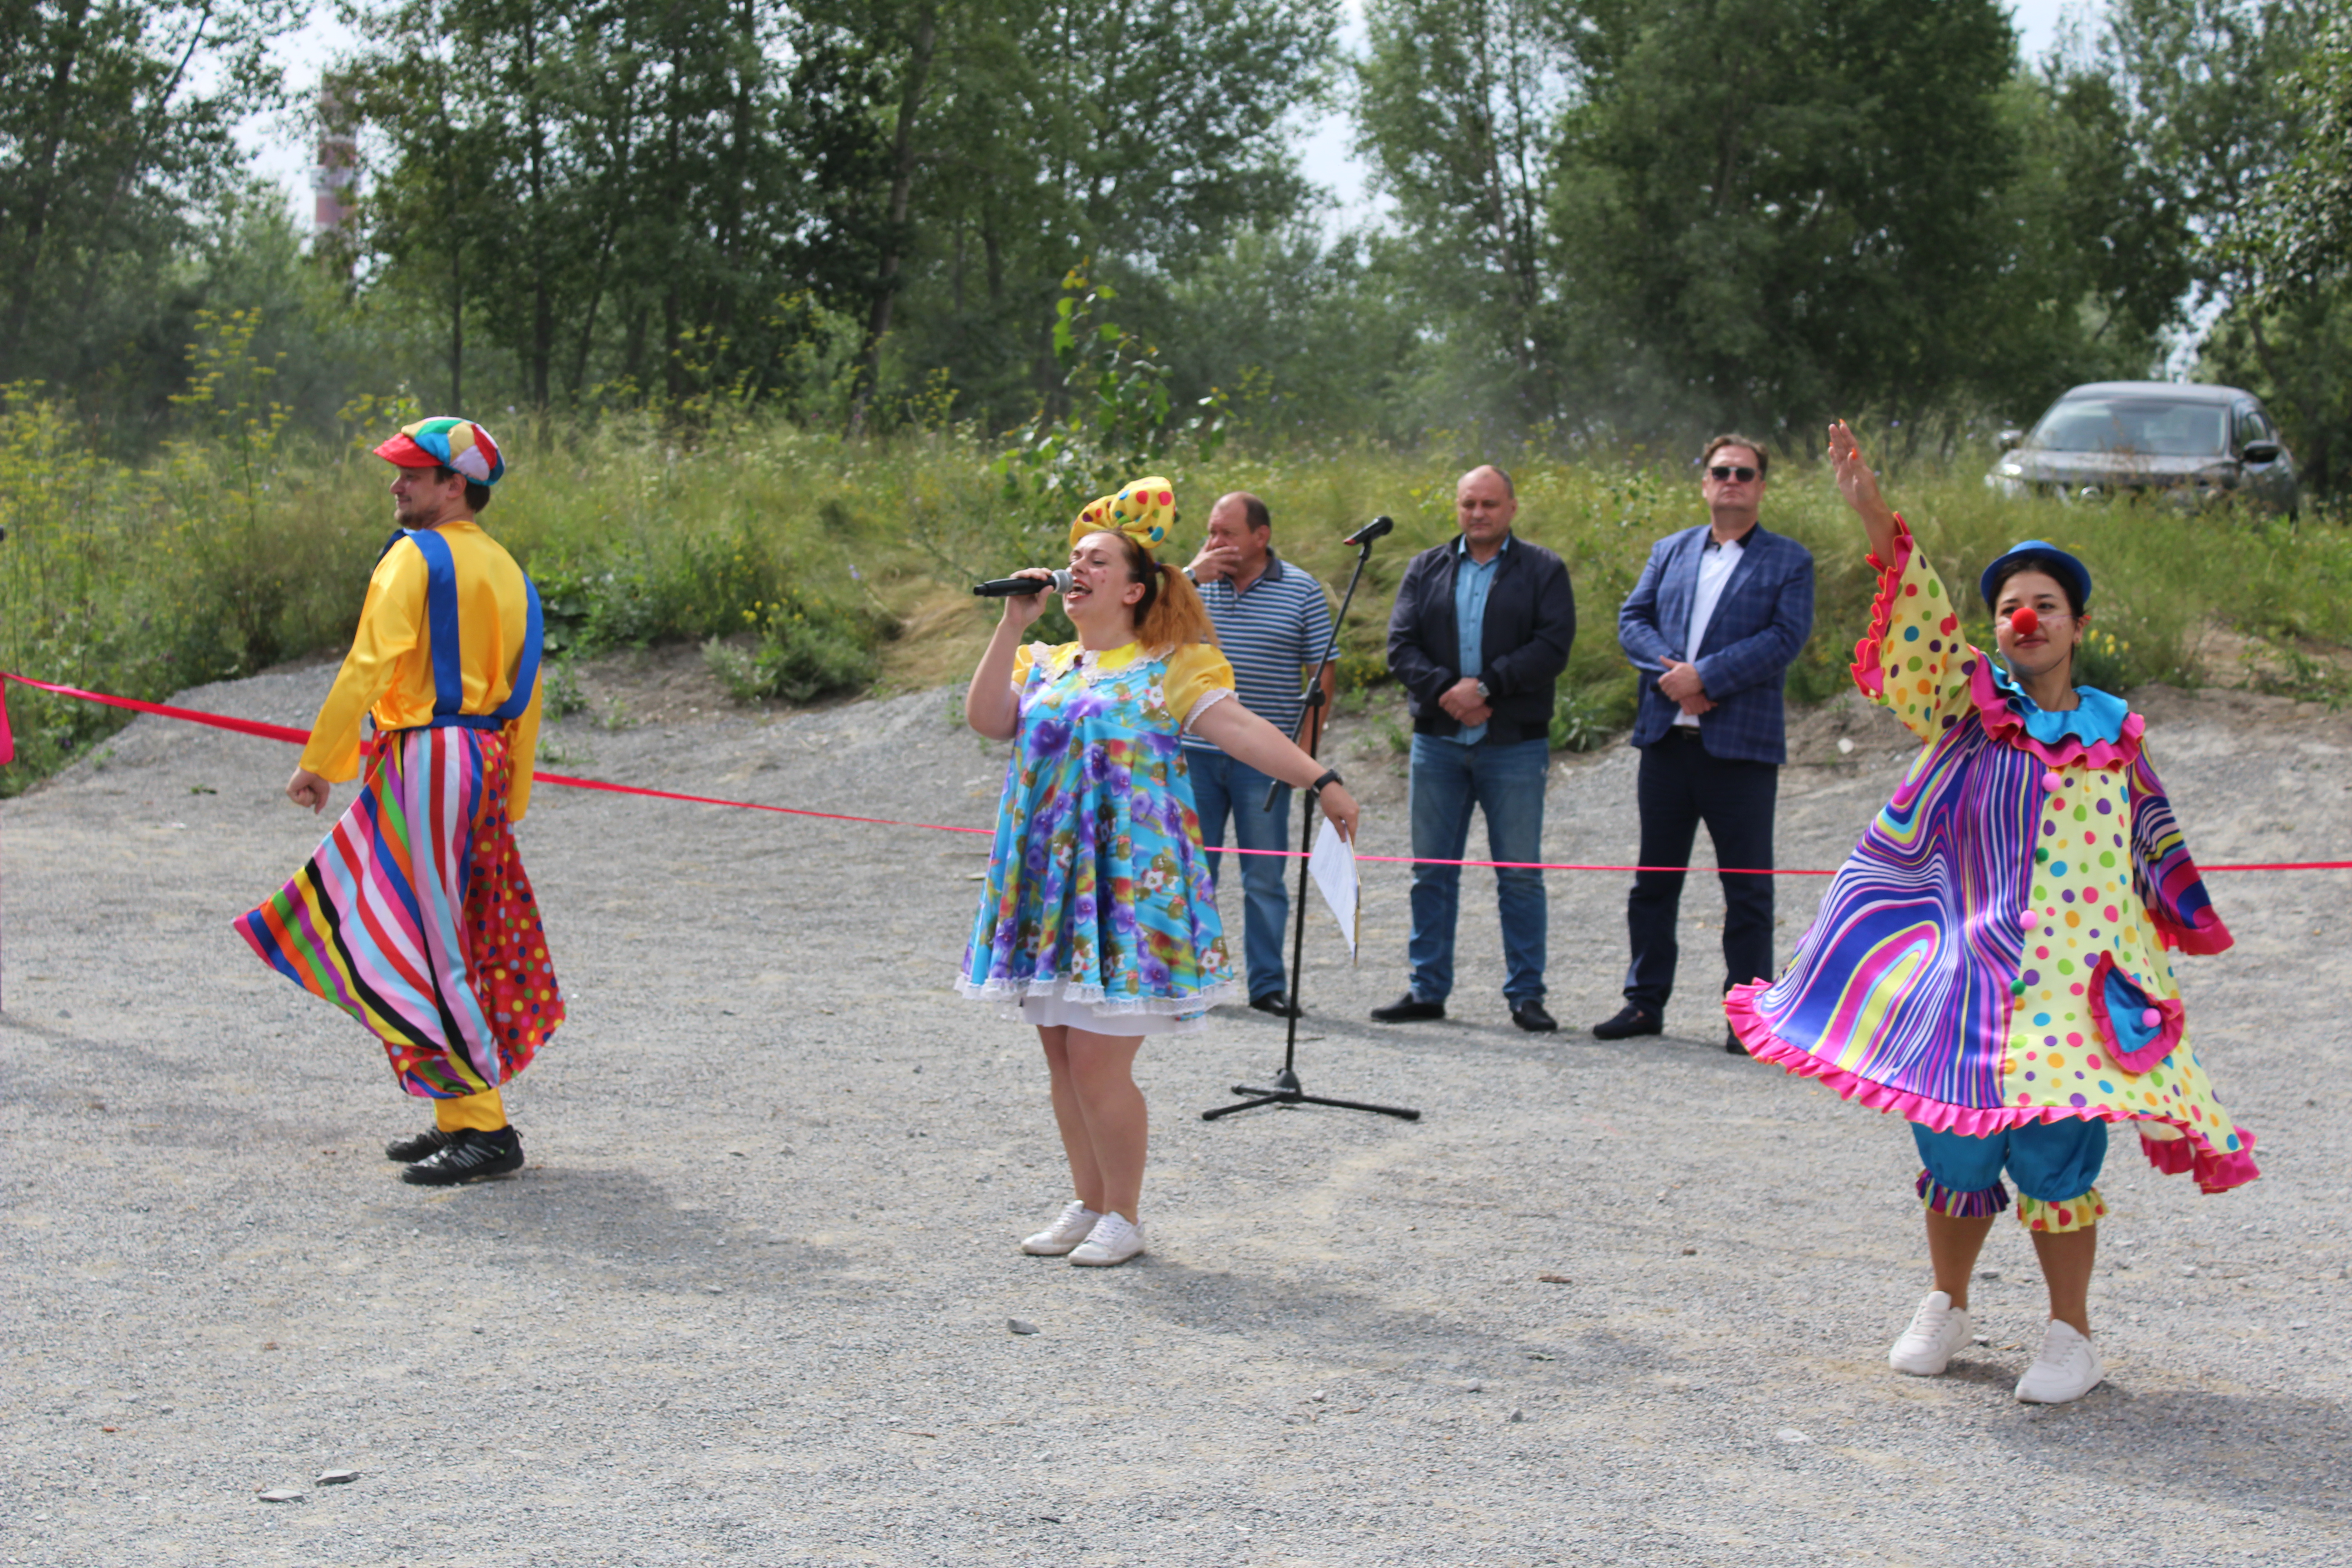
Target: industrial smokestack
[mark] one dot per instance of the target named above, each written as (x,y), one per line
(334,183)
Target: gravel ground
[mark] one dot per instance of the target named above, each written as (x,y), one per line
(750,1302)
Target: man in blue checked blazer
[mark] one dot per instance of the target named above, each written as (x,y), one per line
(1720,611)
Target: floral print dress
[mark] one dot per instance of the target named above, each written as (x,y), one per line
(1099,910)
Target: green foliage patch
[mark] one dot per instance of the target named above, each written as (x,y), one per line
(791,555)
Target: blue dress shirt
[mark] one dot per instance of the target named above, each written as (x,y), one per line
(1472,581)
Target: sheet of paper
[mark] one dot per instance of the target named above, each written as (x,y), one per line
(1333,867)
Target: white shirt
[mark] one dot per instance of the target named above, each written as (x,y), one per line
(1716,561)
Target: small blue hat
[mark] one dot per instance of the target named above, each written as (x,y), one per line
(2042,550)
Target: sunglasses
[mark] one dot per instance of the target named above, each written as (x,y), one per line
(1727,471)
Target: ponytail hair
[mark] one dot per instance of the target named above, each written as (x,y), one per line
(1176,617)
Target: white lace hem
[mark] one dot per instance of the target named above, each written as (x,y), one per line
(1208,699)
(1008,996)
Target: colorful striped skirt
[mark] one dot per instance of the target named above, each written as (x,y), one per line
(417,919)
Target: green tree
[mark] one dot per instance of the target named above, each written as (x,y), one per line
(2308,235)
(1773,210)
(2215,93)
(992,148)
(599,189)
(109,152)
(1457,103)
(1306,337)
(2096,249)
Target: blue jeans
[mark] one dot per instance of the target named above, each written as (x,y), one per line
(1508,783)
(1221,786)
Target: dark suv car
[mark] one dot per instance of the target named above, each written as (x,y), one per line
(2198,444)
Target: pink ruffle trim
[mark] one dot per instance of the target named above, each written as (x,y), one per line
(2004,724)
(2214,1170)
(2178,1156)
(2173,1016)
(2206,938)
(1867,672)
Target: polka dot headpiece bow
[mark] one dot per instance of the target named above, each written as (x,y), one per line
(1143,509)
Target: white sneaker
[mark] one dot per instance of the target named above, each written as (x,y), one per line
(1114,1240)
(1073,1225)
(2067,1368)
(1937,1329)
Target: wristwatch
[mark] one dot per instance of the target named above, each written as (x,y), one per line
(1485,695)
(1331,776)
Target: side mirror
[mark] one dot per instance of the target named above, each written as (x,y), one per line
(2010,439)
(2260,452)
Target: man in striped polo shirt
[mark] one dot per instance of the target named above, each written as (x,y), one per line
(1273,621)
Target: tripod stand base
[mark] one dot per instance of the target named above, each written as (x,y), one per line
(1285,1091)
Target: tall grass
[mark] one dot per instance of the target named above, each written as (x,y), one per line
(251,546)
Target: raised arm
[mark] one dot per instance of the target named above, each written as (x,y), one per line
(1859,487)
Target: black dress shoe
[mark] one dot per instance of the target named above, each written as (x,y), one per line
(1406,1009)
(471,1156)
(1731,1042)
(1273,1002)
(417,1146)
(1629,1022)
(1531,1017)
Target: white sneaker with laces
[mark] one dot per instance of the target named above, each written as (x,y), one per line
(1073,1225)
(2067,1368)
(1115,1239)
(1937,1329)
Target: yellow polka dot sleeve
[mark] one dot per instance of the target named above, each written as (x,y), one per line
(1914,661)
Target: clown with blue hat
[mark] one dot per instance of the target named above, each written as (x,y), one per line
(415,916)
(1995,960)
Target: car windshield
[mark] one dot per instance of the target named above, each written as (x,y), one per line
(2150,427)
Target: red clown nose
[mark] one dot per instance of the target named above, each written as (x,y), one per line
(2023,621)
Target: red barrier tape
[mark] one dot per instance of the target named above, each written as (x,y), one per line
(294,737)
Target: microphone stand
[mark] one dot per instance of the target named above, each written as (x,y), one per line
(1286,1089)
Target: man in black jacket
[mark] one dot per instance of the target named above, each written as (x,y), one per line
(1481,630)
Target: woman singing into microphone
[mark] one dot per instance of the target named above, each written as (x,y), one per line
(1099,925)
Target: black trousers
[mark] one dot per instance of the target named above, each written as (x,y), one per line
(1681,786)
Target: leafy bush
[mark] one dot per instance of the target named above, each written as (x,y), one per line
(802,651)
(245,548)
(1585,720)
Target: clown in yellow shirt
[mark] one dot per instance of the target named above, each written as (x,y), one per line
(414,916)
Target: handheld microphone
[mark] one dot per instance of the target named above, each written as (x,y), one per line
(1021,587)
(1370,531)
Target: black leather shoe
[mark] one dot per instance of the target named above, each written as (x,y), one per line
(471,1156)
(1731,1042)
(1531,1017)
(1407,1009)
(1629,1022)
(416,1146)
(1273,1002)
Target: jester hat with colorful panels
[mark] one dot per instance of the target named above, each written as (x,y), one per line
(1143,509)
(442,442)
